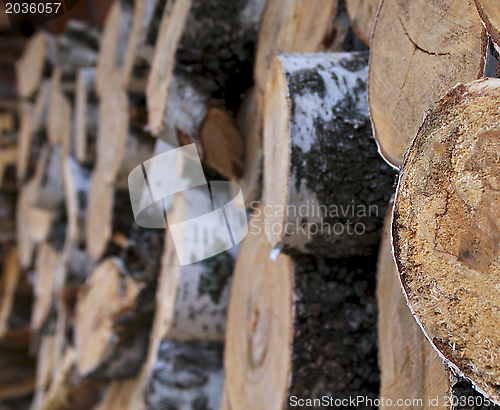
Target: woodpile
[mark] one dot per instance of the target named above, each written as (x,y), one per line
(200,207)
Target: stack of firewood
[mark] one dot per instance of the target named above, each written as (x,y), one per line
(304,106)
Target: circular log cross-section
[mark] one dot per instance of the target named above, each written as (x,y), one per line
(410,368)
(418,51)
(259,326)
(325,186)
(301,328)
(446,230)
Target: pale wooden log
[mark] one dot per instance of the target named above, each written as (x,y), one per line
(44,369)
(188,327)
(32,224)
(325,185)
(69,390)
(416,57)
(290,26)
(191,117)
(119,148)
(15,302)
(85,115)
(40,52)
(410,368)
(59,115)
(141,39)
(249,122)
(362,14)
(490,17)
(25,140)
(445,231)
(296,328)
(111,326)
(195,30)
(98,228)
(46,263)
(113,43)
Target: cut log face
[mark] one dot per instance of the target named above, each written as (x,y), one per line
(47,259)
(69,390)
(488,10)
(410,367)
(30,67)
(59,115)
(416,57)
(99,217)
(298,328)
(113,127)
(445,230)
(174,17)
(325,186)
(259,328)
(249,121)
(362,14)
(142,19)
(290,26)
(107,299)
(113,42)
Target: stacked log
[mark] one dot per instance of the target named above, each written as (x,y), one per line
(130,155)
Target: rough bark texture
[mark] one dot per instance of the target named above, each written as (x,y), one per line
(316,111)
(214,40)
(445,230)
(334,348)
(186,376)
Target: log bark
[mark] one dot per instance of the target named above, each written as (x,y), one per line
(325,186)
(210,39)
(416,57)
(191,116)
(445,228)
(410,368)
(188,327)
(299,328)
